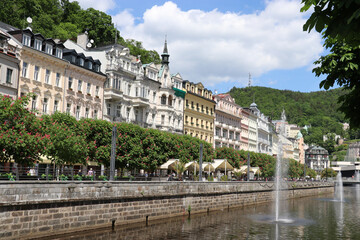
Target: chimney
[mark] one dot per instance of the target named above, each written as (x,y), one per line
(82,40)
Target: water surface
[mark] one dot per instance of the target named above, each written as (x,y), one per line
(312,218)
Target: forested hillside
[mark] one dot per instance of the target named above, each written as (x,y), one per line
(318,109)
(63,20)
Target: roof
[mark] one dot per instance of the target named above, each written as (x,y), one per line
(169,164)
(7,27)
(222,164)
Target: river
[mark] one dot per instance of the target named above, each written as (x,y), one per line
(314,218)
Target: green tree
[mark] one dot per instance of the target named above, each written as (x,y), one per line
(339,22)
(20,132)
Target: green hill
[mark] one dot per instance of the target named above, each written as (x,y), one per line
(65,19)
(318,109)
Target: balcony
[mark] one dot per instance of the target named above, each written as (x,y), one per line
(112,93)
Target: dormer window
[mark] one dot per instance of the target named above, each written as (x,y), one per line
(73,59)
(26,40)
(37,44)
(97,68)
(59,52)
(90,65)
(81,62)
(49,49)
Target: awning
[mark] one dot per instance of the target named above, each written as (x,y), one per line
(169,165)
(222,164)
(192,166)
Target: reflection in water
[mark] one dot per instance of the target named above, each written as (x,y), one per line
(314,219)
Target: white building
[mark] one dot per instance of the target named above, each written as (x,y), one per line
(9,64)
(146,95)
(264,131)
(227,122)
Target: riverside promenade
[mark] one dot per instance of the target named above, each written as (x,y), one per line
(31,209)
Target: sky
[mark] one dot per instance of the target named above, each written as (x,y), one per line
(219,42)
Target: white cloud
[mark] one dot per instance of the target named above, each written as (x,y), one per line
(102,5)
(215,47)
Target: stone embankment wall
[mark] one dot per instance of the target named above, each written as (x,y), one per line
(29,209)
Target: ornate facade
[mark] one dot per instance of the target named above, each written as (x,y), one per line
(46,71)
(199,111)
(144,94)
(227,122)
(264,131)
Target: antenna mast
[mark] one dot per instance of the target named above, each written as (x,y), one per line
(249,84)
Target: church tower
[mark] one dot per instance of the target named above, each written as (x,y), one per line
(165,55)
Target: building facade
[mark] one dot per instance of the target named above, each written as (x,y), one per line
(46,71)
(9,64)
(227,122)
(199,112)
(264,131)
(317,158)
(143,94)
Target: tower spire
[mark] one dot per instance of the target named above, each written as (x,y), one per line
(165,55)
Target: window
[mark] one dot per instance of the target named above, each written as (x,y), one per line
(24,70)
(187,103)
(154,96)
(49,49)
(136,92)
(88,88)
(59,53)
(202,108)
(36,73)
(192,105)
(9,75)
(97,91)
(197,107)
(86,112)
(70,83)
(37,44)
(128,114)
(68,107)
(90,65)
(33,103)
(45,103)
(118,110)
(56,105)
(79,85)
(73,59)
(108,109)
(95,114)
(81,61)
(163,99)
(78,108)
(26,40)
(57,82)
(162,119)
(47,76)
(97,68)
(129,89)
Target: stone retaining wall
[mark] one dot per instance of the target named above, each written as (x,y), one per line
(29,209)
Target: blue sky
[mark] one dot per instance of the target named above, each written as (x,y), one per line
(219,42)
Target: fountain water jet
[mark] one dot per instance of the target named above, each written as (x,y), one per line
(280,169)
(339,191)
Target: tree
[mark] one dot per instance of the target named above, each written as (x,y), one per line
(21,139)
(339,22)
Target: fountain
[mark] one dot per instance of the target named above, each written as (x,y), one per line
(280,169)
(339,189)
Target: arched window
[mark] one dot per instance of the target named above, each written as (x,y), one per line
(163,99)
(170,100)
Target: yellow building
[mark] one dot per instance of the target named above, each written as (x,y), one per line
(199,112)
